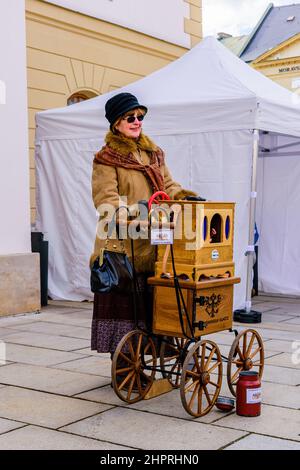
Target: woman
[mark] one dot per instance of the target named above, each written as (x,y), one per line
(129,165)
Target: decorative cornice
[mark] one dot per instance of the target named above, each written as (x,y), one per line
(138,42)
(278,48)
(277,63)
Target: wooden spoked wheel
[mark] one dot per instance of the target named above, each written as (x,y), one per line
(246,353)
(173,352)
(201,378)
(131,378)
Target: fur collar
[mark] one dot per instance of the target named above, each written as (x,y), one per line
(124,145)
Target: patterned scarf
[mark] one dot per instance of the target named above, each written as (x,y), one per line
(118,152)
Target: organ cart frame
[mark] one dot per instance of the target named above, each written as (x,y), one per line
(184,311)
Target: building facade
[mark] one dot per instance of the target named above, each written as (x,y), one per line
(273,47)
(78,50)
(19,268)
(282,64)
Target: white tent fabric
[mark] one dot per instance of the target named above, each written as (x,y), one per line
(278,215)
(202,112)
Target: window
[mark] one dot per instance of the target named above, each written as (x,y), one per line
(80,96)
(216,229)
(227,227)
(204,228)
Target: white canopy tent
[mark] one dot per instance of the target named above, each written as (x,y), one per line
(207,110)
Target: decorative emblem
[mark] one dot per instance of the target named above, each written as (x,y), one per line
(212,303)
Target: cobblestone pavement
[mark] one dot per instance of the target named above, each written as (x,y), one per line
(55,392)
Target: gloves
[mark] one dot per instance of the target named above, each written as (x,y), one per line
(183,193)
(194,198)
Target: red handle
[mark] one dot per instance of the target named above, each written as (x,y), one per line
(159,194)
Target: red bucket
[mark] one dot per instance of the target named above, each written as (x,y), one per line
(248,394)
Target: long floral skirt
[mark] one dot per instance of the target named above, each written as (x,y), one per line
(113,315)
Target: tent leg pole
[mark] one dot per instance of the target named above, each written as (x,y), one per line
(247,315)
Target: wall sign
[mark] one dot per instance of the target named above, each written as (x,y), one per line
(295,68)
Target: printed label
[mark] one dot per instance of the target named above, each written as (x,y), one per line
(253,395)
(161,236)
(215,254)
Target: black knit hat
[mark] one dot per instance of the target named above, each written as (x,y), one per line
(121,104)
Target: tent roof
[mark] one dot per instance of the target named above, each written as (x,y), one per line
(207,89)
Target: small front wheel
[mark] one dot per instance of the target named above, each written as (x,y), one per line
(246,353)
(133,366)
(201,378)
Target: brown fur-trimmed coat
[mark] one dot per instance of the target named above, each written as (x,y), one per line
(110,183)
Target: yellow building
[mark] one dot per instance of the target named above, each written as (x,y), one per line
(73,56)
(273,47)
(282,63)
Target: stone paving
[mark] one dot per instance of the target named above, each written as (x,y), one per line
(55,392)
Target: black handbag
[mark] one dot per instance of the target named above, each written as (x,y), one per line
(112,272)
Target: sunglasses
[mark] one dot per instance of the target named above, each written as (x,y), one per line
(130,119)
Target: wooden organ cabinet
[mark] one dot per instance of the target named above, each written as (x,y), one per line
(203,256)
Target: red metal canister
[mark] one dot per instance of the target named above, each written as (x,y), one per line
(248,394)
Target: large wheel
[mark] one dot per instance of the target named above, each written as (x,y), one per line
(246,353)
(131,379)
(201,378)
(173,352)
